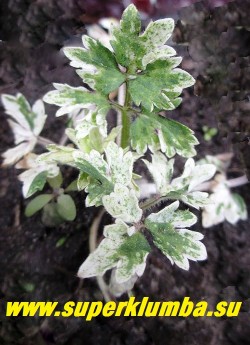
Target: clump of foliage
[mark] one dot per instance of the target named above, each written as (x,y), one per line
(144,71)
(222,203)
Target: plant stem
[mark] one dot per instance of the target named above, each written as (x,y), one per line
(149,202)
(154,201)
(94,231)
(118,107)
(238,181)
(206,186)
(92,246)
(125,120)
(63,139)
(44,141)
(234,182)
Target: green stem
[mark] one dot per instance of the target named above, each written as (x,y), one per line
(130,110)
(125,121)
(154,201)
(92,246)
(150,202)
(44,141)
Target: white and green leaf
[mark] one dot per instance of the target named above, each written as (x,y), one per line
(19,109)
(93,119)
(26,127)
(136,51)
(127,253)
(35,178)
(118,289)
(154,80)
(123,204)
(161,170)
(160,85)
(13,155)
(97,184)
(82,181)
(222,162)
(90,133)
(170,215)
(104,174)
(223,205)
(59,154)
(195,199)
(97,65)
(170,236)
(120,164)
(158,133)
(70,98)
(186,187)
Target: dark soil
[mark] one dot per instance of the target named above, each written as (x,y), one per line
(215,43)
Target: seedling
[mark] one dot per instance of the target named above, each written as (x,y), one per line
(141,70)
(209,133)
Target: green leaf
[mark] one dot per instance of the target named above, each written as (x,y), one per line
(97,64)
(74,98)
(159,85)
(92,164)
(153,80)
(159,133)
(66,207)
(132,254)
(123,204)
(50,215)
(96,191)
(96,140)
(82,181)
(27,286)
(179,245)
(61,241)
(55,182)
(112,135)
(37,204)
(136,51)
(127,254)
(72,187)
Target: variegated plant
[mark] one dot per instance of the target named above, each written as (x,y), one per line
(136,77)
